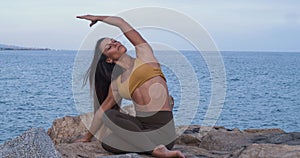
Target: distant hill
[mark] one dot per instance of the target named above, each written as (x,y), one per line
(13,47)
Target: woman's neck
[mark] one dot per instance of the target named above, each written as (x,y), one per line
(125,62)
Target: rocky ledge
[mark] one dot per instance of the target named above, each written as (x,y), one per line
(193,141)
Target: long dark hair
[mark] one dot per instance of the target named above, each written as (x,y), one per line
(100,74)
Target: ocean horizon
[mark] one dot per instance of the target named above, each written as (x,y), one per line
(262,89)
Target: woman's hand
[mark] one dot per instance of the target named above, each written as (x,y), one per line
(87,138)
(82,140)
(94,19)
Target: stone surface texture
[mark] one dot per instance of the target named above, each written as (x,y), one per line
(192,141)
(33,143)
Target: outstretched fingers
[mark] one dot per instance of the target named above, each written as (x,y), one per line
(81,16)
(88,17)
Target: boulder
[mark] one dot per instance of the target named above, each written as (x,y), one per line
(33,143)
(223,139)
(66,129)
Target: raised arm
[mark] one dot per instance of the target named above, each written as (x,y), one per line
(133,36)
(144,50)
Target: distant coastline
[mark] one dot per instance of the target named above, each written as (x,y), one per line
(13,47)
(25,49)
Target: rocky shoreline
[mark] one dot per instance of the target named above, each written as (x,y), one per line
(193,141)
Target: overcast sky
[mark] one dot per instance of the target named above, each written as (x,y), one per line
(253,25)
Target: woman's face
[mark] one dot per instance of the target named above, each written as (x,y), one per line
(112,49)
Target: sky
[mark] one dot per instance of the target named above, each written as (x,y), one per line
(234,25)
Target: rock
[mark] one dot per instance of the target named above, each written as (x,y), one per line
(188,139)
(231,140)
(270,151)
(91,149)
(33,143)
(69,128)
(264,131)
(224,140)
(192,140)
(286,138)
(66,129)
(194,151)
(129,155)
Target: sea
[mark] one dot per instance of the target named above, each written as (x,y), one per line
(253,89)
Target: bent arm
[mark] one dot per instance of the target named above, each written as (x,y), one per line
(108,103)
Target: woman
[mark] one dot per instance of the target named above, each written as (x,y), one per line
(152,129)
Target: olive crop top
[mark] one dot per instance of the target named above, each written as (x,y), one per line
(141,72)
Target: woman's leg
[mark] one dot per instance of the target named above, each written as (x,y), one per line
(126,147)
(127,134)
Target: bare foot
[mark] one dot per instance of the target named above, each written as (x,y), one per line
(162,151)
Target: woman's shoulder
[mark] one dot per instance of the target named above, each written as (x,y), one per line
(145,55)
(144,51)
